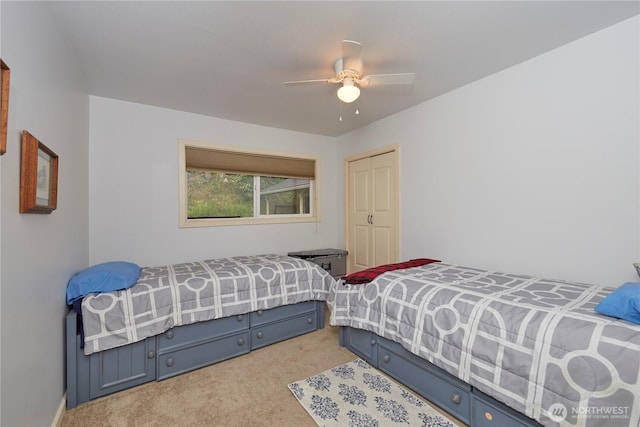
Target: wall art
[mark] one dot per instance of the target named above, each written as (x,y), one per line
(38,176)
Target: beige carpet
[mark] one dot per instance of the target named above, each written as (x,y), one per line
(250,390)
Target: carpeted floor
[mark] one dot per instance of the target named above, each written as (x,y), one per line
(250,390)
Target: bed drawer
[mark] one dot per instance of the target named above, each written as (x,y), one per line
(278,331)
(450,394)
(197,356)
(261,317)
(181,336)
(486,412)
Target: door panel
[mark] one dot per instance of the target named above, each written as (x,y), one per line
(383,209)
(361,190)
(381,189)
(372,209)
(382,244)
(122,367)
(359,213)
(360,252)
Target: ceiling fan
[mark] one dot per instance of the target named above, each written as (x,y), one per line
(349,73)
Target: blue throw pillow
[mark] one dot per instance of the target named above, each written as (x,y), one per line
(623,303)
(106,277)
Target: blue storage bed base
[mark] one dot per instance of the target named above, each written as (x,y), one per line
(179,350)
(456,397)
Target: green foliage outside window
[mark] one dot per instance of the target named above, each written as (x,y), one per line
(222,195)
(219,195)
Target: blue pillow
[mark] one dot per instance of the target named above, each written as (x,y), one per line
(106,277)
(623,303)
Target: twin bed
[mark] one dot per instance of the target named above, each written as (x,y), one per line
(489,347)
(181,317)
(475,341)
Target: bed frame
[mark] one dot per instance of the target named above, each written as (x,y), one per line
(179,350)
(458,398)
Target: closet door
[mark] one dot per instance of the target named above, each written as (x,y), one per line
(383,232)
(372,200)
(360,251)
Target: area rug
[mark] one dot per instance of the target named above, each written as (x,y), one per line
(357,394)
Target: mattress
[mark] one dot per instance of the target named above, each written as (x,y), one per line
(536,345)
(180,294)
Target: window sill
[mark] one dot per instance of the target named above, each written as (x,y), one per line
(219,222)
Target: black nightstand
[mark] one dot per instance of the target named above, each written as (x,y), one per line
(332,260)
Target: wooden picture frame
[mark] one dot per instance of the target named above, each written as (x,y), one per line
(4,105)
(38,177)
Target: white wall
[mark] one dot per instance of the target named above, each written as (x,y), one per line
(134,187)
(532,170)
(40,252)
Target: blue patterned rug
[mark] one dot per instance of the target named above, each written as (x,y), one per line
(356,394)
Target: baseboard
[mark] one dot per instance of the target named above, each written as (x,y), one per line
(57,421)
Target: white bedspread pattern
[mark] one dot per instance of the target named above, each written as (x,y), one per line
(535,344)
(180,294)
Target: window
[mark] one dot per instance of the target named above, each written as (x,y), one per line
(226,185)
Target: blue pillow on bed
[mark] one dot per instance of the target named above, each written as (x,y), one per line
(623,303)
(106,277)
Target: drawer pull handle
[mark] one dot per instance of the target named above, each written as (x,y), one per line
(259,334)
(386,358)
(309,320)
(240,342)
(488,416)
(239,317)
(373,342)
(151,355)
(169,334)
(259,312)
(455,398)
(170,361)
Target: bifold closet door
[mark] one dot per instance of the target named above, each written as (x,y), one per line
(372,198)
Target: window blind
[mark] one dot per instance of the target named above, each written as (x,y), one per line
(249,163)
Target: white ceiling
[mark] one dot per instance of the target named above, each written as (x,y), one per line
(229,59)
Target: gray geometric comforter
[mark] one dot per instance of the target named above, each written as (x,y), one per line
(180,294)
(537,345)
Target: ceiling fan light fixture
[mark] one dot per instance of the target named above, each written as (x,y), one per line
(349,92)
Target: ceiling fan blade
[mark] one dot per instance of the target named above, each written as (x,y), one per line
(351,56)
(306,82)
(387,79)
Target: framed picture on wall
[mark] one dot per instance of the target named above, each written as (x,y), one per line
(38,177)
(4,105)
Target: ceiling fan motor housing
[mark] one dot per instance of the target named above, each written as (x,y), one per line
(341,73)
